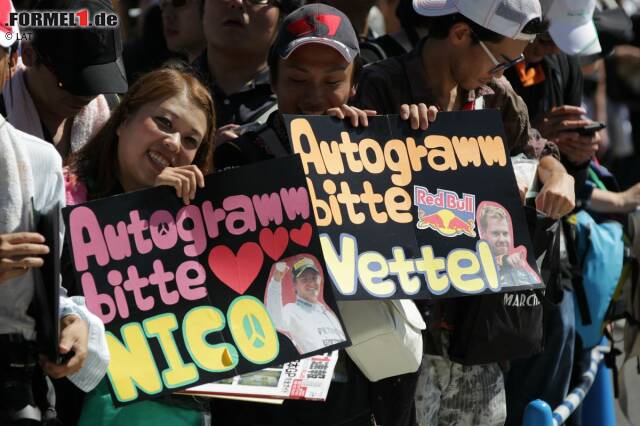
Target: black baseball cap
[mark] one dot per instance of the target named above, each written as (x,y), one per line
(87,61)
(317,23)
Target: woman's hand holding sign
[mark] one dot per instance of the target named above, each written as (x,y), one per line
(184,179)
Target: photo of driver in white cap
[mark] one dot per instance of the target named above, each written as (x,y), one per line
(308,322)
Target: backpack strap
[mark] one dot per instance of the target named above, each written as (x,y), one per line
(576,275)
(610,362)
(552,261)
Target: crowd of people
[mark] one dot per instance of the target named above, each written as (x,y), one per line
(201,86)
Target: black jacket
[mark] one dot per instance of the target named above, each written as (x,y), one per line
(563,85)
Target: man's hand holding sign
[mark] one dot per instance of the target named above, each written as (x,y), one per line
(556,197)
(397,208)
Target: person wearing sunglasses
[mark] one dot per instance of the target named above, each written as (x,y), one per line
(500,66)
(182,27)
(459,65)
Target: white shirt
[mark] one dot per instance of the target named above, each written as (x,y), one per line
(25,158)
(310,326)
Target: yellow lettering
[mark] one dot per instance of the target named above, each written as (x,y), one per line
(376,165)
(402,166)
(132,365)
(372,278)
(458,274)
(416,154)
(440,148)
(349,149)
(178,373)
(398,209)
(371,198)
(332,157)
(402,268)
(341,268)
(321,209)
(431,267)
(312,156)
(330,188)
(492,150)
(197,324)
(349,199)
(467,151)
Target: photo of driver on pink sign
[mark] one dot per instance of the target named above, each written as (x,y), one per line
(294,300)
(495,227)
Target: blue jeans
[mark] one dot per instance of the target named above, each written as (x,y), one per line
(545,376)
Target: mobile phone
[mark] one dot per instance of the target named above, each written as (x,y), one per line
(588,130)
(245,128)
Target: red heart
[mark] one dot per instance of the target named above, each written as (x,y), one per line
(302,236)
(274,243)
(237,271)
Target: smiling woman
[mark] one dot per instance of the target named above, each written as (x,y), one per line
(158,135)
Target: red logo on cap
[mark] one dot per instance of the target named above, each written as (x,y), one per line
(326,25)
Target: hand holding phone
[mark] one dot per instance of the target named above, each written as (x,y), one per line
(589,129)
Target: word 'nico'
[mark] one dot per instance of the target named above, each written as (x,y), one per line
(133,366)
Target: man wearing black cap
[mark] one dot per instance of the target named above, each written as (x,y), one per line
(308,322)
(57,97)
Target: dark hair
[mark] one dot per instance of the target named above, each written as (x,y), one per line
(96,163)
(287,6)
(440,26)
(273,61)
(408,16)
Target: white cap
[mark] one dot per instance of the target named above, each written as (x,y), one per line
(505,17)
(572,28)
(8,34)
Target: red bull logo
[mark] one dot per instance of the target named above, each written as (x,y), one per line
(445,212)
